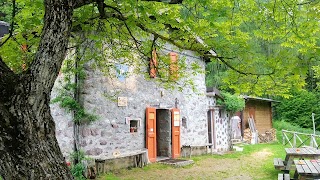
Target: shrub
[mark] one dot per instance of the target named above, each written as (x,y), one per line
(298,109)
(78,169)
(233,103)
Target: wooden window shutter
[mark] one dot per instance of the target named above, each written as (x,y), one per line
(173,66)
(153,64)
(24,49)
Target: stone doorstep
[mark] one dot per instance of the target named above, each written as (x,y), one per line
(176,162)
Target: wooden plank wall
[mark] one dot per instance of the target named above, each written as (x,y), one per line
(261,111)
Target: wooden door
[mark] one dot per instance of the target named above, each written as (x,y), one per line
(176,145)
(151,136)
(210,135)
(211,125)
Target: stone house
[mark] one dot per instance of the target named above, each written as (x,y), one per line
(143,115)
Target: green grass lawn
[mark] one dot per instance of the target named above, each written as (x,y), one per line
(254,162)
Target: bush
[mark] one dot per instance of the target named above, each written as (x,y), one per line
(78,169)
(298,109)
(233,103)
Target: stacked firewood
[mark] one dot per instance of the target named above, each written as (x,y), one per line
(265,137)
(274,134)
(268,136)
(247,135)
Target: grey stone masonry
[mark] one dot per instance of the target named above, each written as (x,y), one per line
(120,104)
(111,133)
(222,125)
(63,121)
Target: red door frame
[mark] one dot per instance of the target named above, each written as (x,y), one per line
(151,134)
(175,126)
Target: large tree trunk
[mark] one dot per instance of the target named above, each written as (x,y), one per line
(28,146)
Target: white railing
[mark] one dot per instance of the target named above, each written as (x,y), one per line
(297,139)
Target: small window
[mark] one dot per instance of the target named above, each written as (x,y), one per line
(220,113)
(184,122)
(134,126)
(121,72)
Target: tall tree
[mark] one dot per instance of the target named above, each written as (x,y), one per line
(41,32)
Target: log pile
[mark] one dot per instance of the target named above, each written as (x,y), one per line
(268,136)
(247,135)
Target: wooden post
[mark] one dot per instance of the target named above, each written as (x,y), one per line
(283,138)
(294,139)
(311,140)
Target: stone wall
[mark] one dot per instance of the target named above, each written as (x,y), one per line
(111,133)
(222,127)
(63,121)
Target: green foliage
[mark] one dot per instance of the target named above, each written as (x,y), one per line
(78,169)
(281,124)
(66,95)
(216,71)
(271,41)
(71,105)
(110,176)
(78,155)
(233,103)
(28,23)
(298,109)
(5,11)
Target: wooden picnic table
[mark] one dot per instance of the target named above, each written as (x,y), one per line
(299,153)
(307,169)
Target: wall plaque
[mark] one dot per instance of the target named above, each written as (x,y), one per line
(122,101)
(176,119)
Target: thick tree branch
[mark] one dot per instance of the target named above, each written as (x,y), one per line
(101,4)
(12,22)
(53,45)
(4,68)
(118,15)
(222,59)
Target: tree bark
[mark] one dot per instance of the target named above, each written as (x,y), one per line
(28,145)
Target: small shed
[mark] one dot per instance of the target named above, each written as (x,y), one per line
(260,109)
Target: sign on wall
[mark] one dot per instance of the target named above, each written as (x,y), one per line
(122,101)
(176,119)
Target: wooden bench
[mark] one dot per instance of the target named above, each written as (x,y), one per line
(283,176)
(140,158)
(185,148)
(278,163)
